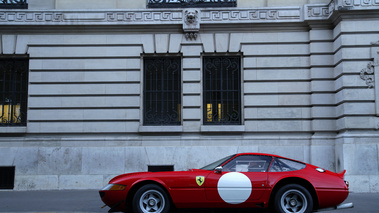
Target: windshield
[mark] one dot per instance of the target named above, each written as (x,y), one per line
(213,165)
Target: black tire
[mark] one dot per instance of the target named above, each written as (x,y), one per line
(151,198)
(293,198)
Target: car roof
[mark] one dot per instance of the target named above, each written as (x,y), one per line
(255,153)
(266,154)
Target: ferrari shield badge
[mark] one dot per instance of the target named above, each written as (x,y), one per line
(199,180)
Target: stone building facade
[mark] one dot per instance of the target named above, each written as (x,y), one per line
(296,78)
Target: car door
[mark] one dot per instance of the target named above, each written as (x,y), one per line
(187,187)
(242,180)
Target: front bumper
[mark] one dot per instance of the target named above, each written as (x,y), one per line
(116,200)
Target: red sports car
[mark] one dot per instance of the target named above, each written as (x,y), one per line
(245,180)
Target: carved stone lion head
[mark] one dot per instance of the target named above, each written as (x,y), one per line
(191,16)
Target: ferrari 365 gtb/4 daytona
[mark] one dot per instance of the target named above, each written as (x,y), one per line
(245,180)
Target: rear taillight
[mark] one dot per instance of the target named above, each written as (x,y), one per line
(347,183)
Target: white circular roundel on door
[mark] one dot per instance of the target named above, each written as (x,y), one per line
(234,187)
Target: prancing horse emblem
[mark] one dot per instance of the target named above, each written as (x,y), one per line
(199,180)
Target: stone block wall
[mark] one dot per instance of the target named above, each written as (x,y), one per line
(357,142)
(304,94)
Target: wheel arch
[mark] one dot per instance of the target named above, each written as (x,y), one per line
(295,180)
(136,186)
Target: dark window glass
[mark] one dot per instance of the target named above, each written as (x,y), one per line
(162,91)
(248,163)
(190,3)
(215,164)
(13,4)
(222,90)
(13,90)
(285,165)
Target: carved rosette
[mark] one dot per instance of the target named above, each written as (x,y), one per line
(191,23)
(367,74)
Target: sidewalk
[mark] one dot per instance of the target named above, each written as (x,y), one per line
(85,201)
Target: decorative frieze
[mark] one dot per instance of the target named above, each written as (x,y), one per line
(145,16)
(138,17)
(176,16)
(149,17)
(359,3)
(16,17)
(251,16)
(318,12)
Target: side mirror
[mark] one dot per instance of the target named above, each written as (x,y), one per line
(218,169)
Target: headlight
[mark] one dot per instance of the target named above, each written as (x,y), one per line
(114,187)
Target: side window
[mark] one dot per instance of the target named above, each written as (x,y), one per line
(14,72)
(248,163)
(222,90)
(285,165)
(162,91)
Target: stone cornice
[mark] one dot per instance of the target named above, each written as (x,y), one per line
(90,17)
(310,12)
(324,12)
(149,16)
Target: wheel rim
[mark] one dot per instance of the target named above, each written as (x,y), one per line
(152,201)
(293,201)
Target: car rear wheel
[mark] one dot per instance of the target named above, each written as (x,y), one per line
(293,198)
(151,198)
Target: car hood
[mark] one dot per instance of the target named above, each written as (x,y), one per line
(126,175)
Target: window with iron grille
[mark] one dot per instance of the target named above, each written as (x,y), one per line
(190,3)
(13,90)
(222,90)
(13,4)
(162,91)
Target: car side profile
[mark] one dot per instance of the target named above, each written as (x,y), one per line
(244,180)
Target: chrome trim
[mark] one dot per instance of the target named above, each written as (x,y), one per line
(218,169)
(345,206)
(340,206)
(320,170)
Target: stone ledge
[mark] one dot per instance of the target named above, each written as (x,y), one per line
(21,129)
(152,129)
(226,128)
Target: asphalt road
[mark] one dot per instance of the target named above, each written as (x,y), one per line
(87,201)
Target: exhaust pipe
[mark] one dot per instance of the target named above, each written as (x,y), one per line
(345,206)
(340,206)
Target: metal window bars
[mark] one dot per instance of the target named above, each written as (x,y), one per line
(222,90)
(190,3)
(13,91)
(13,4)
(162,91)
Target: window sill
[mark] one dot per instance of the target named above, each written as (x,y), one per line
(224,128)
(5,129)
(160,129)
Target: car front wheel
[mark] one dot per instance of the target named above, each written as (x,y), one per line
(293,198)
(151,198)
